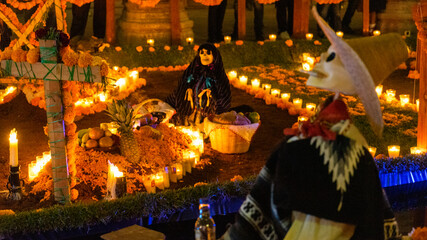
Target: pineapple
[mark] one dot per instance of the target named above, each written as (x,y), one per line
(125,117)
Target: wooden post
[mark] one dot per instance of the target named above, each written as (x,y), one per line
(301,18)
(365,26)
(55,123)
(110,27)
(241,19)
(422,68)
(175,22)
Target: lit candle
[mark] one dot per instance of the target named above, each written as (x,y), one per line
(418,104)
(376,32)
(340,34)
(404,99)
(179,171)
(243,80)
(227,39)
(272,37)
(417,150)
(189,40)
(46,156)
(188,157)
(310,60)
(275,92)
(158,180)
(379,90)
(310,107)
(305,56)
(166,179)
(102,97)
(116,68)
(286,96)
(134,75)
(393,151)
(302,119)
(372,151)
(306,67)
(150,42)
(13,148)
(232,74)
(309,36)
(255,83)
(121,83)
(390,95)
(149,183)
(266,87)
(172,174)
(297,102)
(31,173)
(112,181)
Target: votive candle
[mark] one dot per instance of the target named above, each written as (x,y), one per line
(166,180)
(232,74)
(393,151)
(417,150)
(376,33)
(159,180)
(272,37)
(227,39)
(309,36)
(418,104)
(189,40)
(340,34)
(243,80)
(302,119)
(266,87)
(286,96)
(310,107)
(372,151)
(404,99)
(297,102)
(255,83)
(275,92)
(390,95)
(150,42)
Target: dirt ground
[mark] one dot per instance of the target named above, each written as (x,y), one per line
(29,122)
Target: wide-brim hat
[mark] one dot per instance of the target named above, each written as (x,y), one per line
(368,60)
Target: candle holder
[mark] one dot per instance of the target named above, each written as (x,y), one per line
(14,184)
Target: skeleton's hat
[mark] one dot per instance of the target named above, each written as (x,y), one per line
(368,61)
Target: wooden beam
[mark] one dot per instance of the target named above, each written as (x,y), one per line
(59,16)
(301,18)
(365,26)
(241,19)
(51,71)
(175,22)
(110,26)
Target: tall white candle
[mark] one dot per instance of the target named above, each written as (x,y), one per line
(13,148)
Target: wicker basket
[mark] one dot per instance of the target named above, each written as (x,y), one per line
(228,138)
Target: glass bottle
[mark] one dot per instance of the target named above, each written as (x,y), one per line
(204,228)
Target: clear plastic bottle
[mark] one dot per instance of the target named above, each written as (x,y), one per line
(204,228)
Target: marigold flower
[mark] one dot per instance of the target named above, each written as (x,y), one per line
(217,45)
(289,43)
(167,48)
(16,55)
(317,43)
(139,49)
(85,59)
(237,178)
(104,69)
(70,58)
(69,116)
(33,55)
(118,49)
(260,43)
(196,47)
(180,48)
(239,42)
(151,49)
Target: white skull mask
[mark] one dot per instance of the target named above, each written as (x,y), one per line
(329,73)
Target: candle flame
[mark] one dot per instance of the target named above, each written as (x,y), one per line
(306,67)
(121,82)
(102,97)
(35,167)
(379,90)
(114,169)
(10,89)
(12,136)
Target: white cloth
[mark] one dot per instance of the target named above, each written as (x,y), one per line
(305,226)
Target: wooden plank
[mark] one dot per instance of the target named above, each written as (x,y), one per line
(175,22)
(57,143)
(422,113)
(59,16)
(301,18)
(365,25)
(15,30)
(52,71)
(241,19)
(110,27)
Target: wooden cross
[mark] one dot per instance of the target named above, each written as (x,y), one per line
(52,74)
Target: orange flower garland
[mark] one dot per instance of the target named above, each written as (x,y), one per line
(145,3)
(23,5)
(209,2)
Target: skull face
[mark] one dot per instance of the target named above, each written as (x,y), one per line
(206,57)
(329,73)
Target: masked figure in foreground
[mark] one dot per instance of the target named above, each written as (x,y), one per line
(321,182)
(204,88)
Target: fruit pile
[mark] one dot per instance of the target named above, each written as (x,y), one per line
(97,137)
